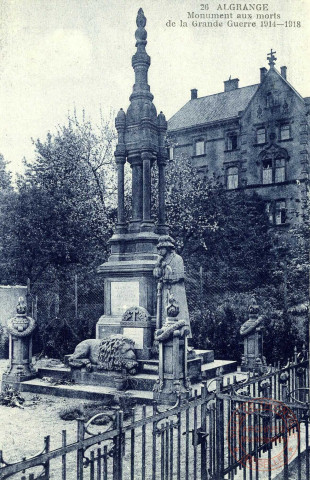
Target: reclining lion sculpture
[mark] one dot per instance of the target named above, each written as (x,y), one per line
(113,353)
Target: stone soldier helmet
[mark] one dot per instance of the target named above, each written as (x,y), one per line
(165,241)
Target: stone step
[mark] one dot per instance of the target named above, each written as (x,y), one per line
(82,392)
(207,356)
(209,369)
(141,382)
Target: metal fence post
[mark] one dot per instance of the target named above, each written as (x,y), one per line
(118,448)
(47,449)
(203,448)
(220,437)
(80,452)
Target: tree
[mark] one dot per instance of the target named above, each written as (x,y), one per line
(62,219)
(228,248)
(66,200)
(7,200)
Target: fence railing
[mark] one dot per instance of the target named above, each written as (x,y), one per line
(231,428)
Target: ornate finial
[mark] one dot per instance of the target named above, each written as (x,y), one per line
(162,119)
(120,120)
(141,20)
(21,307)
(141,33)
(271,58)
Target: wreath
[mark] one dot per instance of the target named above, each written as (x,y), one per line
(12,330)
(164,333)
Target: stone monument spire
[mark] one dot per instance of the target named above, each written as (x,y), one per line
(128,273)
(141,134)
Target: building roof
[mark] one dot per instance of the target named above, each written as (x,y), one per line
(212,108)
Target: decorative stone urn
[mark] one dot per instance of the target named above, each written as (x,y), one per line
(20,329)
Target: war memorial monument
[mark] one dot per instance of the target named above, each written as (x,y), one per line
(141,343)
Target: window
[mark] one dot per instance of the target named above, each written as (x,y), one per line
(267,171)
(261,135)
(276,212)
(232,178)
(280,212)
(280,170)
(232,141)
(171,152)
(269,100)
(199,147)
(269,211)
(285,132)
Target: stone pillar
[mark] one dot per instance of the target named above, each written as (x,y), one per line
(137,193)
(121,224)
(20,366)
(147,223)
(120,159)
(162,227)
(173,381)
(251,330)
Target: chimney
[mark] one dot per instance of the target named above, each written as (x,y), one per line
(194,93)
(283,72)
(231,84)
(263,72)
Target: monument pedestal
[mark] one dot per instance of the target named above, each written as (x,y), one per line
(20,366)
(129,282)
(252,332)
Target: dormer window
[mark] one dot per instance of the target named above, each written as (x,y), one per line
(199,147)
(261,135)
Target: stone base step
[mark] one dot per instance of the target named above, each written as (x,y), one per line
(208,370)
(141,382)
(82,392)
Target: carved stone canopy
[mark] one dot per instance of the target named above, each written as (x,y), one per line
(273,152)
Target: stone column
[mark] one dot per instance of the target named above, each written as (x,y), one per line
(137,193)
(172,382)
(121,224)
(162,227)
(252,333)
(147,223)
(20,366)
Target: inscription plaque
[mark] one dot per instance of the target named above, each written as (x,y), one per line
(136,334)
(123,296)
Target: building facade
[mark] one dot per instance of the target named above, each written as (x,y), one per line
(254,137)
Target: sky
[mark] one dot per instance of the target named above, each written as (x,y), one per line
(61,55)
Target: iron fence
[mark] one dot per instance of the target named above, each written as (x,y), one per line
(231,428)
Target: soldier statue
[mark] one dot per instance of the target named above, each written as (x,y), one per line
(169,272)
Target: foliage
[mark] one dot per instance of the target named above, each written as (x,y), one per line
(231,253)
(11,398)
(62,217)
(7,202)
(65,214)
